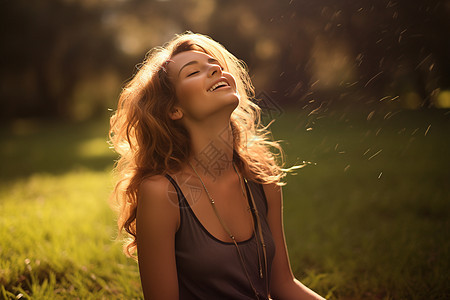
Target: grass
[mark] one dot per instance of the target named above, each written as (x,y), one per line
(369,217)
(360,223)
(57,230)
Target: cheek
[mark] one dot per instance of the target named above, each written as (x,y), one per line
(189,92)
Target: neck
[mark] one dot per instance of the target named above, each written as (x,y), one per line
(212,151)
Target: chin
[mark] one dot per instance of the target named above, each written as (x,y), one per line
(234,101)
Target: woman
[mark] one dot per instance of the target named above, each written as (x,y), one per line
(198,190)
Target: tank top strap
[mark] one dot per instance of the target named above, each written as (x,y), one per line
(182,202)
(259,196)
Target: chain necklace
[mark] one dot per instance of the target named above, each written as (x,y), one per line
(255,213)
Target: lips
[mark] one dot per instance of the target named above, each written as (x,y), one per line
(220,83)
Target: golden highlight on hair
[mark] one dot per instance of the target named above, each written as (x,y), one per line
(150,143)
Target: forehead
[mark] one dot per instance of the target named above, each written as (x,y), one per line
(180,59)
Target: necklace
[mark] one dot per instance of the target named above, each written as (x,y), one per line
(255,215)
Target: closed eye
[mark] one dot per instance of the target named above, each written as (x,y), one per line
(193,73)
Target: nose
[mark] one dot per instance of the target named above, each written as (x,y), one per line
(213,69)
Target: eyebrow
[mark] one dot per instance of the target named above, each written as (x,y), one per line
(210,60)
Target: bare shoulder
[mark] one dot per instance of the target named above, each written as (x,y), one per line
(158,196)
(156,188)
(273,193)
(155,183)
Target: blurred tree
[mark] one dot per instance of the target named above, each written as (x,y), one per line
(49,46)
(297,50)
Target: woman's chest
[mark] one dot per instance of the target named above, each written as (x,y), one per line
(222,212)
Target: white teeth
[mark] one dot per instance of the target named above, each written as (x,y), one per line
(216,85)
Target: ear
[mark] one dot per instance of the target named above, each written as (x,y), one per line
(176,113)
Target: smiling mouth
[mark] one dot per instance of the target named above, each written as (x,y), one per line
(218,85)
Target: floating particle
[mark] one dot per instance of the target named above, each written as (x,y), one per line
(424,60)
(346,168)
(400,36)
(314,83)
(428,129)
(309,129)
(379,176)
(394,98)
(378,152)
(370,115)
(373,78)
(315,111)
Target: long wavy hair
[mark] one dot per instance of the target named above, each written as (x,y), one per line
(150,143)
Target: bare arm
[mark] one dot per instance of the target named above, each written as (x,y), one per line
(156,223)
(283,285)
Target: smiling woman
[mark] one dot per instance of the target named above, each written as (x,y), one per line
(218,235)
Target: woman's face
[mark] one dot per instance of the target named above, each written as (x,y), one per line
(202,87)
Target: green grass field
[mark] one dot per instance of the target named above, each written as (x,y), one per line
(367,218)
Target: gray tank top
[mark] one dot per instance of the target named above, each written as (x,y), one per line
(211,269)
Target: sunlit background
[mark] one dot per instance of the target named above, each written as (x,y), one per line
(68,59)
(361,94)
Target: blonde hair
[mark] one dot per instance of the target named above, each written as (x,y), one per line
(150,143)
